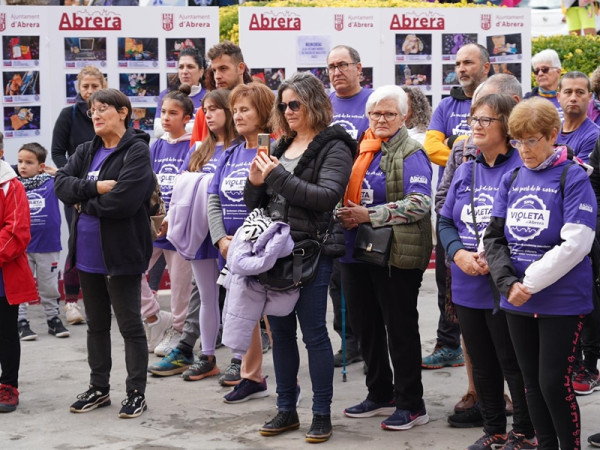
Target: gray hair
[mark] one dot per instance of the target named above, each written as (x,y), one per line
(388,91)
(354,56)
(548,55)
(501,83)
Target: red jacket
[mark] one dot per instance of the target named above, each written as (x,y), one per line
(19,284)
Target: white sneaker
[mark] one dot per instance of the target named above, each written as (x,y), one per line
(155,332)
(73,313)
(168,343)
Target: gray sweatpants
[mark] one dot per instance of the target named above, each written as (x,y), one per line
(44,267)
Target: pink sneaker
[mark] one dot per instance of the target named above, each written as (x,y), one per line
(9,398)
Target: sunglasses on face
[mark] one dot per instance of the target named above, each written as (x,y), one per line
(543,70)
(294,105)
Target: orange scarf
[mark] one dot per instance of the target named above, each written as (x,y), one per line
(369,145)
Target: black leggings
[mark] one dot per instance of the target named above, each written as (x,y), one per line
(492,356)
(545,349)
(10,345)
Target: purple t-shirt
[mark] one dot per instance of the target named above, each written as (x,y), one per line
(450,117)
(535,212)
(582,140)
(207,250)
(553,99)
(45,219)
(2,293)
(167,160)
(228,183)
(458,208)
(416,179)
(350,112)
(88,253)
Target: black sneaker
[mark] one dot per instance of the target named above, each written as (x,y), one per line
(283,421)
(26,333)
(265,341)
(320,429)
(471,418)
(352,356)
(133,405)
(94,397)
(56,328)
(232,375)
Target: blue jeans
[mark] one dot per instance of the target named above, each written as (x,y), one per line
(310,310)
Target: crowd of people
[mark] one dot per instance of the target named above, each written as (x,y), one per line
(272,201)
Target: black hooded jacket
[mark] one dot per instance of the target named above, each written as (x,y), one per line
(316,186)
(123,212)
(73,127)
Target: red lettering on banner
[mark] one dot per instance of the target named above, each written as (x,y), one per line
(78,21)
(422,22)
(270,22)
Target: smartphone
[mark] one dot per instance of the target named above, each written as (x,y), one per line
(264,144)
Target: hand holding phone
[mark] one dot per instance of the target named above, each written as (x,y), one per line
(264,144)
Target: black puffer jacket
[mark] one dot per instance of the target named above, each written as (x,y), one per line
(123,212)
(316,186)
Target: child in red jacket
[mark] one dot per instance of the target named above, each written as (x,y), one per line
(16,281)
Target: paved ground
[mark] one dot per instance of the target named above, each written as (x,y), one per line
(191,415)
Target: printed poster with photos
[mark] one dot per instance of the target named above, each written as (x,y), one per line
(413,47)
(45,48)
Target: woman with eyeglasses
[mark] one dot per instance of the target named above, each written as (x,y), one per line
(546,69)
(301,182)
(537,243)
(110,181)
(390,186)
(463,219)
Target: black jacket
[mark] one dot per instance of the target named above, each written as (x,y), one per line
(73,127)
(316,186)
(123,212)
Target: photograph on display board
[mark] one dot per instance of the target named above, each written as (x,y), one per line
(413,47)
(174,46)
(21,84)
(509,68)
(504,47)
(143,119)
(367,77)
(451,43)
(22,50)
(319,72)
(449,77)
(71,86)
(21,118)
(140,87)
(271,77)
(85,49)
(137,52)
(413,75)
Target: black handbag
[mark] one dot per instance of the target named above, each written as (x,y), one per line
(373,245)
(295,270)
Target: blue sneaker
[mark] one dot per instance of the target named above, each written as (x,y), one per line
(403,419)
(175,362)
(443,356)
(369,408)
(247,390)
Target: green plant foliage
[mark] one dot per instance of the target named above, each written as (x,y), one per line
(580,53)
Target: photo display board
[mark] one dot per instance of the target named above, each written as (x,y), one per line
(402,46)
(44,48)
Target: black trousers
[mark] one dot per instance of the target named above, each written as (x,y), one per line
(383,311)
(589,344)
(124,294)
(335,292)
(493,358)
(545,349)
(448,330)
(10,345)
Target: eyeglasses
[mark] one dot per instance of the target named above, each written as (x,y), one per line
(294,105)
(529,143)
(342,67)
(387,116)
(483,121)
(543,70)
(101,110)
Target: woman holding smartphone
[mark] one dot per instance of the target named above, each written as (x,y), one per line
(250,105)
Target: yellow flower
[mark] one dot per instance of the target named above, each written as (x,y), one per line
(578,51)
